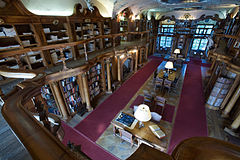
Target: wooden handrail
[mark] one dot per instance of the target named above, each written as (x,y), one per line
(40,143)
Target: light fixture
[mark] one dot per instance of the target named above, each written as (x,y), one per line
(10,73)
(142,114)
(122,56)
(177,51)
(169,65)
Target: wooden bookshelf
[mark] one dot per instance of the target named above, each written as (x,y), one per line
(94,80)
(47,95)
(8,38)
(71,94)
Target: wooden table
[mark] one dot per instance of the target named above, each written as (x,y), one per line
(171,75)
(144,134)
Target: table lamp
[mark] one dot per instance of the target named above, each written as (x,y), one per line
(142,114)
(177,51)
(169,65)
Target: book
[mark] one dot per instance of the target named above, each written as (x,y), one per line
(157,131)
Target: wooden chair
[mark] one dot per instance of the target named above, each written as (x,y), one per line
(159,83)
(167,84)
(178,63)
(126,136)
(156,117)
(148,99)
(160,102)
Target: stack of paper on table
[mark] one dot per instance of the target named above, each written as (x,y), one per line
(157,131)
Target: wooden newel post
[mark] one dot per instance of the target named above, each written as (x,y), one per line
(232,102)
(108,77)
(61,104)
(236,123)
(86,92)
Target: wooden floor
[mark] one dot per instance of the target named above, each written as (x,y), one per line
(10,147)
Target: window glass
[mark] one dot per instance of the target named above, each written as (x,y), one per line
(162,42)
(203,44)
(209,31)
(168,41)
(195,44)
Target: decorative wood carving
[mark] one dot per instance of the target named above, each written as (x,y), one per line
(13,7)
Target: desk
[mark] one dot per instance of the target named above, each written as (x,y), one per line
(144,135)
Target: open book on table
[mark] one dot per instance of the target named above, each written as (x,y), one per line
(157,131)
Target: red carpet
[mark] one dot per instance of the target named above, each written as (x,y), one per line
(89,147)
(167,113)
(191,117)
(96,122)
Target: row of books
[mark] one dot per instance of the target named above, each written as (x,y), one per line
(94,85)
(49,99)
(96,67)
(96,78)
(45,90)
(54,110)
(71,87)
(69,93)
(68,80)
(74,100)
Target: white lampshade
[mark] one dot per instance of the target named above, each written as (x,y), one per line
(143,113)
(177,51)
(169,65)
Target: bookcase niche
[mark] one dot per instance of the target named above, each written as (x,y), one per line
(55,33)
(107,30)
(94,79)
(49,100)
(71,94)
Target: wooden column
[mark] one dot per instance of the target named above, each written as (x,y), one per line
(146,51)
(210,80)
(119,68)
(188,42)
(103,75)
(232,102)
(108,77)
(236,123)
(140,56)
(136,60)
(154,45)
(80,84)
(72,37)
(230,92)
(213,65)
(86,92)
(173,45)
(59,99)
